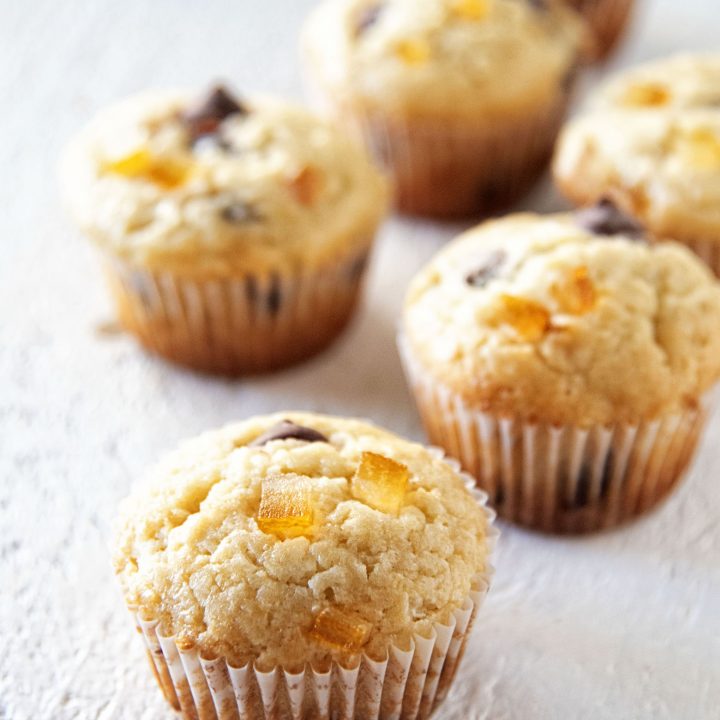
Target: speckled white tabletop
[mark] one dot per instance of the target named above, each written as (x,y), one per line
(624,625)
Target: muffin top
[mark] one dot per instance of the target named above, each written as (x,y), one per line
(567,319)
(219,185)
(651,139)
(297,538)
(440,57)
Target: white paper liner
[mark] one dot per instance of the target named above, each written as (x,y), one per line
(607,19)
(238,325)
(564,479)
(407,685)
(453,167)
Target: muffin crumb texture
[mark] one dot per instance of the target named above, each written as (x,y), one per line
(319,572)
(219,186)
(538,318)
(444,56)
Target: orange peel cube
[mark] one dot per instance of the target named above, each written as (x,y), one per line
(529,318)
(340,630)
(285,506)
(380,482)
(702,149)
(414,51)
(472,9)
(140,164)
(647,95)
(576,294)
(306,186)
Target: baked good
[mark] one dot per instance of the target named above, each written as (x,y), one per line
(650,141)
(566,363)
(235,233)
(293,545)
(460,99)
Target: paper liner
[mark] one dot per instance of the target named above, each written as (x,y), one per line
(607,19)
(707,250)
(246,324)
(454,167)
(407,685)
(562,479)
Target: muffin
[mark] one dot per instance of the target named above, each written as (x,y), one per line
(234,234)
(299,565)
(566,363)
(650,141)
(460,99)
(607,20)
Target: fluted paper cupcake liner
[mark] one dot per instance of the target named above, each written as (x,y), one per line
(564,479)
(408,684)
(455,167)
(708,250)
(236,325)
(607,19)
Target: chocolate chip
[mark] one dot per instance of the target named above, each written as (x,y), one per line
(488,270)
(606,218)
(288,430)
(239,212)
(541,5)
(205,118)
(367,17)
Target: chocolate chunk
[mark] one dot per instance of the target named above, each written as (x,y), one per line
(606,218)
(541,5)
(205,118)
(481,276)
(367,17)
(288,430)
(239,212)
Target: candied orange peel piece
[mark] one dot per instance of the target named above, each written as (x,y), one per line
(647,95)
(142,165)
(340,630)
(576,293)
(702,149)
(471,9)
(529,318)
(306,185)
(413,51)
(380,482)
(285,508)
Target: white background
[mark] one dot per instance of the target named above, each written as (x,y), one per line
(620,626)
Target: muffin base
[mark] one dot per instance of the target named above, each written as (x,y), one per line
(559,479)
(456,167)
(240,325)
(608,20)
(408,683)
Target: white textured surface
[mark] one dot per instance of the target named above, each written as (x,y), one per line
(620,626)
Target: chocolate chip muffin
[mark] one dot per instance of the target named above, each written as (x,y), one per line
(650,140)
(304,566)
(460,99)
(566,363)
(607,19)
(235,233)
